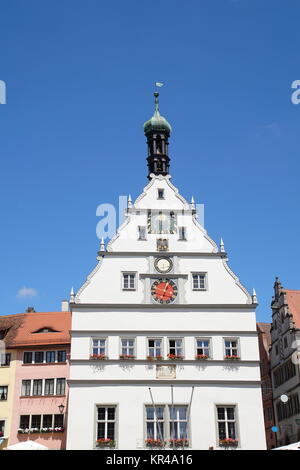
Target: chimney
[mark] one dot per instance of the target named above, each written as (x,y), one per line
(64,306)
(30,310)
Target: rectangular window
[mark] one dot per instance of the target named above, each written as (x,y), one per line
(203,347)
(47,421)
(60,386)
(127,347)
(142,232)
(226,422)
(285,342)
(128,281)
(231,348)
(49,387)
(59,421)
(175,347)
(26,388)
(61,356)
(199,281)
(38,357)
(160,194)
(50,356)
(37,387)
(155,422)
(106,422)
(99,346)
(36,421)
(284,373)
(182,233)
(2,427)
(27,358)
(3,392)
(24,421)
(5,359)
(154,348)
(178,422)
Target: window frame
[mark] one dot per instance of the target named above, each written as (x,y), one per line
(238,347)
(7,359)
(174,338)
(99,338)
(182,231)
(116,421)
(204,338)
(167,422)
(155,338)
(5,393)
(129,273)
(128,338)
(236,421)
(199,273)
(143,227)
(162,192)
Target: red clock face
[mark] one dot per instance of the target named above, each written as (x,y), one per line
(164,291)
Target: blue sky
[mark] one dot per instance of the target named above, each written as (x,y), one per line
(79,79)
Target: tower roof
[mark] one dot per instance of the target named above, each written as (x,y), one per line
(157,122)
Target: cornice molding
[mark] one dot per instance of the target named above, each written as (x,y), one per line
(140,307)
(149,333)
(163,381)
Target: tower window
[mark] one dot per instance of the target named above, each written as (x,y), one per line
(199,281)
(129,281)
(182,233)
(142,232)
(160,194)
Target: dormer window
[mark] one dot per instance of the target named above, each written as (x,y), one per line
(46,330)
(160,194)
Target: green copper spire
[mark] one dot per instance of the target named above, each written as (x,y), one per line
(157,122)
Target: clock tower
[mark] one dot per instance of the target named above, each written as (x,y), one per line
(164,349)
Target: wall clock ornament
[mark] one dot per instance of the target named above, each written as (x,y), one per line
(164,291)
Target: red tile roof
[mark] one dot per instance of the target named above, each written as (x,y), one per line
(293,300)
(25,326)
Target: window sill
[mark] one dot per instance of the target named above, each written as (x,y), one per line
(45,363)
(41,396)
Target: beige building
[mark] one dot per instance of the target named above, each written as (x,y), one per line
(8,360)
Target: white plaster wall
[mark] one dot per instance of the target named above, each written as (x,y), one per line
(156,320)
(131,400)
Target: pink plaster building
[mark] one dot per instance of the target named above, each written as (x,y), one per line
(40,401)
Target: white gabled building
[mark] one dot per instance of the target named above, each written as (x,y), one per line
(171,328)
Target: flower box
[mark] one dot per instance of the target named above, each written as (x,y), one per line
(175,357)
(158,443)
(154,358)
(232,358)
(201,357)
(46,430)
(178,443)
(126,356)
(1,434)
(23,431)
(105,443)
(228,442)
(58,429)
(100,357)
(34,430)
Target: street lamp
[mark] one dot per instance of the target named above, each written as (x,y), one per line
(61,408)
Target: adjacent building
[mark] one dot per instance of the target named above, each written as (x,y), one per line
(9,325)
(264,341)
(164,341)
(285,355)
(39,397)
